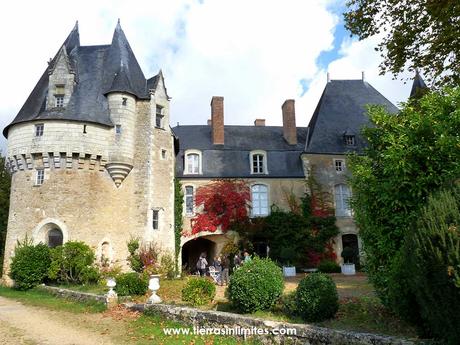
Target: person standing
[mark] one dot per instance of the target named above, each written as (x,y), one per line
(201,264)
(247,257)
(237,261)
(225,267)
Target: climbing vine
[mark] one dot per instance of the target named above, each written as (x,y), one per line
(178,222)
(222,204)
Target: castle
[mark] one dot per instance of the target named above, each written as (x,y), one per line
(93,157)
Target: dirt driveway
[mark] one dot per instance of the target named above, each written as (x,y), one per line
(20,324)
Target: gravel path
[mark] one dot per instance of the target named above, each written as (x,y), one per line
(20,324)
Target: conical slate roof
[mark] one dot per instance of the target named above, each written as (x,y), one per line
(418,86)
(342,111)
(99,70)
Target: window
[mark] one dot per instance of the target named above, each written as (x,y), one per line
(342,197)
(189,201)
(339,165)
(163,154)
(124,101)
(350,140)
(118,129)
(259,196)
(258,162)
(39,127)
(159,117)
(59,101)
(55,238)
(193,162)
(84,129)
(155,216)
(40,177)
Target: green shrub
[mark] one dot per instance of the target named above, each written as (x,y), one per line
(433,256)
(257,285)
(72,263)
(131,284)
(288,303)
(90,275)
(329,266)
(317,297)
(134,259)
(167,266)
(198,291)
(30,264)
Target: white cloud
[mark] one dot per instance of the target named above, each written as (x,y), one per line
(254,53)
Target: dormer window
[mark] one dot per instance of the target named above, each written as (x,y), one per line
(350,140)
(258,162)
(192,162)
(39,128)
(159,116)
(59,101)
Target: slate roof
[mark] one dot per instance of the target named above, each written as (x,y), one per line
(99,70)
(342,110)
(232,158)
(418,86)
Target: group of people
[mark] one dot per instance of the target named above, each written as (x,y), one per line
(219,268)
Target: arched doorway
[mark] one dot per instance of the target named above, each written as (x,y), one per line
(54,237)
(191,252)
(351,241)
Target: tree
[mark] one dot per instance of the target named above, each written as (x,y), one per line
(409,156)
(222,203)
(5,185)
(419,34)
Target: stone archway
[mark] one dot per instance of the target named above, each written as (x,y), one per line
(192,249)
(51,232)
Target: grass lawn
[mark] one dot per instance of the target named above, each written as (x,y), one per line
(127,327)
(92,288)
(360,310)
(41,298)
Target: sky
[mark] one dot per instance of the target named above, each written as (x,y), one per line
(255,53)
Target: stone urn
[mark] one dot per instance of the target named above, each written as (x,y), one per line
(154,286)
(111,297)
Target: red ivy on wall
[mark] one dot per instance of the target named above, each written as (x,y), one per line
(221,204)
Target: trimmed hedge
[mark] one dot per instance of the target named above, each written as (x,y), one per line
(131,284)
(257,285)
(198,291)
(317,298)
(329,266)
(30,264)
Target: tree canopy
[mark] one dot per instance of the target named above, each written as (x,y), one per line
(5,183)
(417,34)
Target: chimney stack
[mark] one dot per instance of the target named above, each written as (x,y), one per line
(209,122)
(362,76)
(217,120)
(289,126)
(259,122)
(328,77)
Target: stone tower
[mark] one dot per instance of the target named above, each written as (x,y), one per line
(91,153)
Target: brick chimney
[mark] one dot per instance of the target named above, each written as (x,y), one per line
(259,122)
(289,127)
(217,120)
(209,122)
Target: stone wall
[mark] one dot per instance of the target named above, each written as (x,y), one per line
(322,169)
(77,296)
(305,333)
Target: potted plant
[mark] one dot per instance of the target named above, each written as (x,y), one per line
(348,255)
(287,256)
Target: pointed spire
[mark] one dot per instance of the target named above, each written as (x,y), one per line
(73,40)
(419,87)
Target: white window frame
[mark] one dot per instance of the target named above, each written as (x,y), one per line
(252,155)
(59,101)
(39,129)
(258,212)
(159,115)
(340,201)
(39,177)
(335,160)
(186,211)
(200,163)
